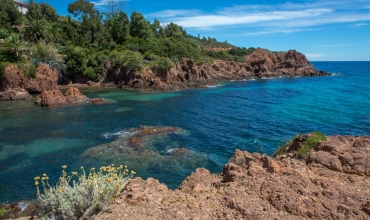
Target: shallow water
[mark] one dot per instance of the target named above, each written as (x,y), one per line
(253,115)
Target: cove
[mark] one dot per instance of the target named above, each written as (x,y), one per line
(253,115)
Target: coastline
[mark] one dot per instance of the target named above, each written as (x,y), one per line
(255,186)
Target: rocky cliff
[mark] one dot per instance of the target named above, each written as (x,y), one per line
(46,79)
(331,182)
(17,86)
(184,74)
(187,74)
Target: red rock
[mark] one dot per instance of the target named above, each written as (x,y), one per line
(187,74)
(46,79)
(74,95)
(14,95)
(55,97)
(254,186)
(52,97)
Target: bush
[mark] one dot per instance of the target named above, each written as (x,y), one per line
(307,142)
(82,196)
(90,73)
(311,142)
(2,69)
(28,69)
(161,63)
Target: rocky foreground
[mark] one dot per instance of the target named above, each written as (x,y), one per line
(331,182)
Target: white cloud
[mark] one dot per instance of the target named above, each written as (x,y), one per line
(103,3)
(314,55)
(283,31)
(287,17)
(335,45)
(174,13)
(360,24)
(212,20)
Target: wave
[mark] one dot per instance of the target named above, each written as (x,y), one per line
(213,86)
(121,134)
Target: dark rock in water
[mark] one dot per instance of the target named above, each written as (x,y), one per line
(332,182)
(14,95)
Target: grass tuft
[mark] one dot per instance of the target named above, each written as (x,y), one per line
(311,142)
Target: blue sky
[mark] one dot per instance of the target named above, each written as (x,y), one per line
(326,30)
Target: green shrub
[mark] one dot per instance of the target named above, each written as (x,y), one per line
(311,142)
(161,63)
(90,73)
(80,196)
(28,69)
(2,69)
(3,211)
(314,138)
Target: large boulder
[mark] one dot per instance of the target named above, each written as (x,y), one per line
(74,95)
(55,97)
(46,79)
(14,95)
(52,97)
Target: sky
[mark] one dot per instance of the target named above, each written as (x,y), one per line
(323,30)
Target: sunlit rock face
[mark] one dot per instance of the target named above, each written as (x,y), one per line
(149,151)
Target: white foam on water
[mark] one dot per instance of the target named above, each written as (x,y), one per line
(121,134)
(169,151)
(213,86)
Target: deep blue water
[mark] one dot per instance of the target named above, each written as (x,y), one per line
(250,115)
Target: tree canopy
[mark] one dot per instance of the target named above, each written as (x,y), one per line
(87,39)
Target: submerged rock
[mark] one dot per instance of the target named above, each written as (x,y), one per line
(150,151)
(332,182)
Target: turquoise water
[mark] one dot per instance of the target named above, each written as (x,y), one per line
(250,115)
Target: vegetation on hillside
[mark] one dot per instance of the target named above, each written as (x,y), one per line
(88,38)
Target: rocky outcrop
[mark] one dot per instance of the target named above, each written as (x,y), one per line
(332,182)
(55,97)
(14,95)
(187,74)
(18,210)
(14,78)
(74,95)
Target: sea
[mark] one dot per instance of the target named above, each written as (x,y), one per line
(252,115)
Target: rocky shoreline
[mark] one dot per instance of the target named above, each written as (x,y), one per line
(330,182)
(184,74)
